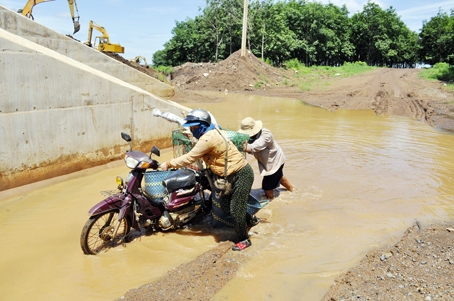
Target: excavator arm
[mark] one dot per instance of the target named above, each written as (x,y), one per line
(137,59)
(28,9)
(104,44)
(72,4)
(103,39)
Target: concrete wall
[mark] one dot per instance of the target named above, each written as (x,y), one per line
(58,115)
(19,25)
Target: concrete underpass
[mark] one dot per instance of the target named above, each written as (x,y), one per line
(63,105)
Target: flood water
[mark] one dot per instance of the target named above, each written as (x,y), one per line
(360,180)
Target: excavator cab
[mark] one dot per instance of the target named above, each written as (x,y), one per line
(103,41)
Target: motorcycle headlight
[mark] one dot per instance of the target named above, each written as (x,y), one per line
(131,162)
(120,182)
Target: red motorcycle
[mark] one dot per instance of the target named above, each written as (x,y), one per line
(169,200)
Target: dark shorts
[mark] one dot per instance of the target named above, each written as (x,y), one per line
(273,181)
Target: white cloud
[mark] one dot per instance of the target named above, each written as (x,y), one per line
(353,6)
(428,10)
(445,5)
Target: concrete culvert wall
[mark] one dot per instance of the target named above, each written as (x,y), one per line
(58,115)
(19,25)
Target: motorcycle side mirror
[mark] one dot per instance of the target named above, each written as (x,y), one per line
(156,151)
(128,139)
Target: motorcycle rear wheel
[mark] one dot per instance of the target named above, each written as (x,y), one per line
(97,234)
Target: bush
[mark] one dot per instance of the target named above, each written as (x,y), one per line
(440,71)
(293,64)
(445,72)
(167,70)
(358,63)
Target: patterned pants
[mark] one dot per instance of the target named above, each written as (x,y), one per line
(235,204)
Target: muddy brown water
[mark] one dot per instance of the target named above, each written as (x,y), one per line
(360,180)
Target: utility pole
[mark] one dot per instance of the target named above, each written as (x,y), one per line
(243,38)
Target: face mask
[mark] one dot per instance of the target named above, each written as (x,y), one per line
(255,137)
(202,129)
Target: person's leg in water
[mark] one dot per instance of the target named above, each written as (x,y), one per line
(269,194)
(238,206)
(271,182)
(285,182)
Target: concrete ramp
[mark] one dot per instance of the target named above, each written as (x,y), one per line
(59,115)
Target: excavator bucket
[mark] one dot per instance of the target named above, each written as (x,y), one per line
(76,26)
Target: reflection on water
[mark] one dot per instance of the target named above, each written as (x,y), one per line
(361,181)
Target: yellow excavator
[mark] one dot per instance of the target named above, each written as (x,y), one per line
(28,8)
(136,61)
(104,44)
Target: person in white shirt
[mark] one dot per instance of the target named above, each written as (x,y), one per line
(268,153)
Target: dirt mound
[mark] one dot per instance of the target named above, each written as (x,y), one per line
(148,71)
(235,74)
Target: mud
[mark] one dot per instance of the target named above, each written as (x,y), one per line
(208,273)
(418,267)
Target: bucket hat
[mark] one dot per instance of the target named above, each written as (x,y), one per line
(250,126)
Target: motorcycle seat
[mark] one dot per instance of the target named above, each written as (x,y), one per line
(181,178)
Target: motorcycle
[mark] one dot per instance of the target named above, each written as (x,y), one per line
(169,200)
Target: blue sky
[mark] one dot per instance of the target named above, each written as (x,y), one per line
(142,27)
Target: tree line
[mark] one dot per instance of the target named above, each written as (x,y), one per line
(313,33)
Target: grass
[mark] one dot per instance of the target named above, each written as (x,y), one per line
(166,70)
(441,72)
(163,72)
(309,77)
(263,80)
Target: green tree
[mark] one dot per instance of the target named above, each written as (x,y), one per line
(160,59)
(308,31)
(213,17)
(183,46)
(280,39)
(437,39)
(322,32)
(381,38)
(258,18)
(233,21)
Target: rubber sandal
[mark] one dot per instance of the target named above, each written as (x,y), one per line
(242,245)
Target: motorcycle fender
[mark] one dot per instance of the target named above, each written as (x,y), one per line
(117,201)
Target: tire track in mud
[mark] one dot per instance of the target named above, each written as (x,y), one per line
(397,93)
(389,92)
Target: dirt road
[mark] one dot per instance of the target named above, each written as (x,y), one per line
(385,91)
(391,91)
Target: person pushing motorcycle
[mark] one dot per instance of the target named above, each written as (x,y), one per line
(269,155)
(211,147)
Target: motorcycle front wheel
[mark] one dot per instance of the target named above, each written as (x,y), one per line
(98,232)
